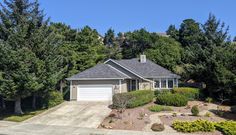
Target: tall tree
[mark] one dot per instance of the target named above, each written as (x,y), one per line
(113,49)
(28,48)
(189,32)
(109,38)
(173,32)
(165,52)
(234,39)
(135,43)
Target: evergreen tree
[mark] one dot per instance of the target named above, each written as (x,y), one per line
(234,39)
(173,32)
(28,51)
(113,49)
(189,33)
(109,38)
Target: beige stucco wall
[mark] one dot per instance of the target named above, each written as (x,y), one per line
(115,85)
(145,85)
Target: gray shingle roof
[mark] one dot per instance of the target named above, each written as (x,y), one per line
(147,69)
(99,71)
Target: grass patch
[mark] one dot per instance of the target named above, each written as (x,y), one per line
(19,118)
(159,108)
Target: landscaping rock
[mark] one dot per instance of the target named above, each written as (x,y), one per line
(157,127)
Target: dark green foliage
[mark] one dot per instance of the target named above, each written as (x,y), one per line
(173,32)
(157,92)
(234,39)
(189,33)
(159,108)
(226,127)
(113,49)
(29,52)
(138,98)
(194,126)
(190,93)
(53,98)
(171,99)
(195,110)
(166,52)
(135,43)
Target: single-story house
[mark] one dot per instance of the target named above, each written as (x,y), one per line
(116,76)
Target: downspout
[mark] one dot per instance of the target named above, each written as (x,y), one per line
(70,90)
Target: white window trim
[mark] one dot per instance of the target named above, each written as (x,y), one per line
(166,79)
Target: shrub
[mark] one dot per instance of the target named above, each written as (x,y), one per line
(137,98)
(121,100)
(157,92)
(194,126)
(209,99)
(53,98)
(171,99)
(157,127)
(207,114)
(190,93)
(227,127)
(195,110)
(159,108)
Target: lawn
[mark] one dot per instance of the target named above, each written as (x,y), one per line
(19,118)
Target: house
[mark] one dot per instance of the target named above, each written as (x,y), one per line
(116,76)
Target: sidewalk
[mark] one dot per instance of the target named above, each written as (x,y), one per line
(36,129)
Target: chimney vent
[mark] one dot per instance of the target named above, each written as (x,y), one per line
(143,58)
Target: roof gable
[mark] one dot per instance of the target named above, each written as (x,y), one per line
(148,69)
(100,71)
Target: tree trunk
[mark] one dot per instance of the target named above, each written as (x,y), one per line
(61,86)
(3,105)
(34,101)
(18,109)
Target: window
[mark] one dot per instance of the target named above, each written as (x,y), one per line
(170,83)
(163,83)
(157,84)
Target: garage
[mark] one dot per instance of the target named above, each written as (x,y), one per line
(94,93)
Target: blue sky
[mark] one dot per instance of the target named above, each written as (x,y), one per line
(128,15)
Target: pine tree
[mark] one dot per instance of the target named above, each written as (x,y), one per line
(28,49)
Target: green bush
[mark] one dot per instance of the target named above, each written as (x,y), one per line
(195,110)
(157,92)
(190,93)
(227,127)
(53,98)
(171,99)
(159,108)
(209,99)
(194,126)
(138,98)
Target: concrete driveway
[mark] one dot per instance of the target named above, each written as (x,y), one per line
(74,114)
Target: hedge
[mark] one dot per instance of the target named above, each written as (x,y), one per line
(190,93)
(171,99)
(138,98)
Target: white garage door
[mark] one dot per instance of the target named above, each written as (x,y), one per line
(94,93)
